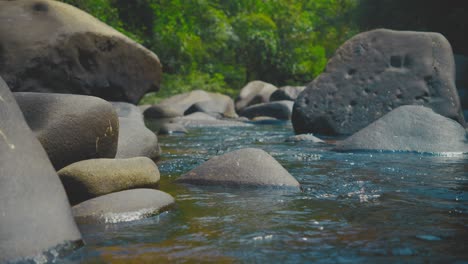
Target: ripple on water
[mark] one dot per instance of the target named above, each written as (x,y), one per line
(364,207)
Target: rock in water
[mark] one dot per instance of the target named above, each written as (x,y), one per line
(244,167)
(71,127)
(409,128)
(88,179)
(278,109)
(375,72)
(199,101)
(49,46)
(122,206)
(34,212)
(286,93)
(255,92)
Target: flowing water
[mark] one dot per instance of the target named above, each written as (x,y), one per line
(355,207)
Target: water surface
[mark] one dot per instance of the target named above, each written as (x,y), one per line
(355,207)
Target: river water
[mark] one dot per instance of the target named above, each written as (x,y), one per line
(364,207)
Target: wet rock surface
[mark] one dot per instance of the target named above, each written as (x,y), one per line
(375,72)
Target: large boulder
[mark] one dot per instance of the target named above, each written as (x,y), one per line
(88,179)
(255,92)
(244,167)
(279,109)
(122,206)
(461,63)
(35,214)
(286,93)
(375,72)
(49,46)
(71,127)
(409,128)
(135,139)
(200,101)
(128,110)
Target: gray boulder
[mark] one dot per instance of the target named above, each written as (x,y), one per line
(279,109)
(128,110)
(88,179)
(244,167)
(35,214)
(409,128)
(71,127)
(122,206)
(200,101)
(49,46)
(136,140)
(255,92)
(374,73)
(286,93)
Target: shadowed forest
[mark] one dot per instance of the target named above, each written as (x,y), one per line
(221,45)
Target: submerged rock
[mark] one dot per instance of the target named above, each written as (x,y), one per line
(71,127)
(244,167)
(375,72)
(49,46)
(255,92)
(200,119)
(305,137)
(172,128)
(92,178)
(34,212)
(122,206)
(409,128)
(279,109)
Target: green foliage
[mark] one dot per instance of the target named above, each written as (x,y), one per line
(220,45)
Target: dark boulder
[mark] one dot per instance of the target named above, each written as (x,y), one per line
(71,127)
(88,179)
(49,46)
(279,109)
(244,167)
(375,72)
(286,93)
(35,213)
(255,92)
(409,128)
(122,206)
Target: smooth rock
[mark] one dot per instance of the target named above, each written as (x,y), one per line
(244,167)
(122,206)
(255,92)
(279,109)
(71,127)
(35,216)
(200,101)
(286,93)
(136,140)
(409,128)
(305,137)
(49,46)
(172,128)
(375,72)
(88,179)
(128,110)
